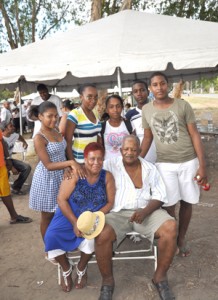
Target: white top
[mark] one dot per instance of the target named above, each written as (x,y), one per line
(53,98)
(23,110)
(127,196)
(11,140)
(37,101)
(136,122)
(5,115)
(113,138)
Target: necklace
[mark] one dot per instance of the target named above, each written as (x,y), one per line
(134,171)
(51,134)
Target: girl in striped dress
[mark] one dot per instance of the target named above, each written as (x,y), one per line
(83,126)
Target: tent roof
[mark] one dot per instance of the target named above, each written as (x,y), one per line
(137,42)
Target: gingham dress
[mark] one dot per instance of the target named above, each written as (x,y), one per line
(45,184)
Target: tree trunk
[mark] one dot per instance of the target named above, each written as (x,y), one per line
(100,107)
(96,10)
(127,4)
(96,14)
(178,89)
(8,26)
(20,31)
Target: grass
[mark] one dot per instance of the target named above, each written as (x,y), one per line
(204,105)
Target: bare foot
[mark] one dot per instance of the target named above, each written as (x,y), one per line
(81,278)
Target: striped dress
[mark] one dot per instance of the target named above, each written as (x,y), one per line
(85,132)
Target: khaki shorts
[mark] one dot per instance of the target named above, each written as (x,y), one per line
(120,223)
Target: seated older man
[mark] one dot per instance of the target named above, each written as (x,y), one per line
(140,193)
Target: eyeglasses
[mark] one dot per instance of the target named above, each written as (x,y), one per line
(91,97)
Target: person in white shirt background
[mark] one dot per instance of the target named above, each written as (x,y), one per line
(23,108)
(44,95)
(5,111)
(19,167)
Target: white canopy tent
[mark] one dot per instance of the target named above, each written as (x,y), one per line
(122,47)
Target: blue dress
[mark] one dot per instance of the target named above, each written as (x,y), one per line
(45,184)
(60,233)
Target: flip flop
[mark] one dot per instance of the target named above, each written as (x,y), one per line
(17,192)
(21,219)
(183,251)
(164,290)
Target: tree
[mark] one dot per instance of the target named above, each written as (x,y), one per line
(26,20)
(96,10)
(102,8)
(5,94)
(206,10)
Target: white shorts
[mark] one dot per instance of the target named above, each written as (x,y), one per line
(179,181)
(86,246)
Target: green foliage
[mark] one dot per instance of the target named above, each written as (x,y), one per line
(111,7)
(27,20)
(207,84)
(6,94)
(206,10)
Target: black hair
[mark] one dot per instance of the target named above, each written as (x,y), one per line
(128,105)
(46,105)
(105,117)
(41,87)
(141,82)
(114,96)
(35,110)
(68,104)
(84,86)
(158,74)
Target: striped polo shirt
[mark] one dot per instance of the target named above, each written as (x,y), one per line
(85,132)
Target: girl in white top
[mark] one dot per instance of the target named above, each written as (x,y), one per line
(115,128)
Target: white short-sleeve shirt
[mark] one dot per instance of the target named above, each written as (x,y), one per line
(127,196)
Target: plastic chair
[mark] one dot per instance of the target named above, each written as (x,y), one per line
(18,148)
(148,253)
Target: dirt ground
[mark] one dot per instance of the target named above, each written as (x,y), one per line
(25,274)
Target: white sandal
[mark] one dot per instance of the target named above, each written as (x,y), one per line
(66,274)
(80,274)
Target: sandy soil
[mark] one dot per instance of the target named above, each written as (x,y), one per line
(25,274)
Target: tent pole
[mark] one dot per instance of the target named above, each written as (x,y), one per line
(20,110)
(119,84)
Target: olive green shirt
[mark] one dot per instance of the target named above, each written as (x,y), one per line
(169,128)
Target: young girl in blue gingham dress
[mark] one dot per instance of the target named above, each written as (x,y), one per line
(50,147)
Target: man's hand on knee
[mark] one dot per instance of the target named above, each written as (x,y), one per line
(138,216)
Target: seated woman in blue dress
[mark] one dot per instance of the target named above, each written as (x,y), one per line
(94,193)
